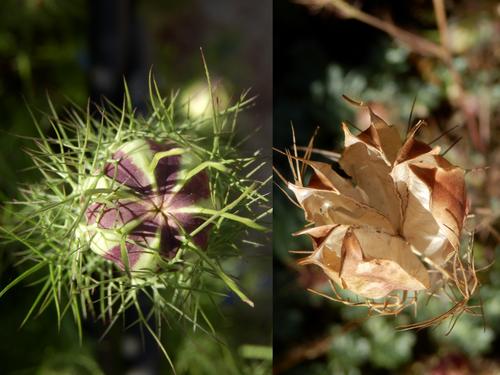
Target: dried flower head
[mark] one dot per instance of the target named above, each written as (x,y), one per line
(393,227)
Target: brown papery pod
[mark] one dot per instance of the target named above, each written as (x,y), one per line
(391,231)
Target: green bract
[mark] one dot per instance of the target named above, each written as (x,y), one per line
(130,205)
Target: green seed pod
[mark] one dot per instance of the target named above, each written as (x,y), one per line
(156,196)
(155,206)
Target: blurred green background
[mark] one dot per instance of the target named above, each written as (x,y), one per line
(72,50)
(321,54)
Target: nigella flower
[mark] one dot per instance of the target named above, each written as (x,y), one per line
(398,216)
(165,197)
(159,211)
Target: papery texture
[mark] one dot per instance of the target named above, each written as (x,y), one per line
(402,206)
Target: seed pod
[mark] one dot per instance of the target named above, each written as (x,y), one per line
(155,205)
(404,204)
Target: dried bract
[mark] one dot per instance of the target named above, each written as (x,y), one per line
(393,228)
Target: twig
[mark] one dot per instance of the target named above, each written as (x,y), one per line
(418,45)
(414,42)
(312,349)
(440,11)
(306,351)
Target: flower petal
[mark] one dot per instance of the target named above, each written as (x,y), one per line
(413,148)
(167,169)
(134,253)
(140,246)
(130,166)
(123,212)
(388,135)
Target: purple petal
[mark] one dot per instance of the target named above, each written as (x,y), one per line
(172,225)
(167,167)
(133,251)
(169,241)
(188,223)
(171,236)
(125,172)
(145,232)
(92,212)
(193,191)
(111,217)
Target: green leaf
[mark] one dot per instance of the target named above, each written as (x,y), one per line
(22,276)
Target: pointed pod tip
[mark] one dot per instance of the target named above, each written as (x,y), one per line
(349,138)
(353,101)
(308,260)
(304,261)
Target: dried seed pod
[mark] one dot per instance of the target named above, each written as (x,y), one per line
(397,218)
(152,207)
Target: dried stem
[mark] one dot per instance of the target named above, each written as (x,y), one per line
(418,45)
(472,123)
(414,42)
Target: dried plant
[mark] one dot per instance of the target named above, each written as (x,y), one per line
(390,232)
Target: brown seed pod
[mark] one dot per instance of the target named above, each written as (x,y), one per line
(392,230)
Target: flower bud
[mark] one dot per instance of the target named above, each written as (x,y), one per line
(153,204)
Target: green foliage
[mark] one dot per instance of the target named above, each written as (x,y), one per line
(382,87)
(75,280)
(40,47)
(44,51)
(468,336)
(198,356)
(384,339)
(55,353)
(348,351)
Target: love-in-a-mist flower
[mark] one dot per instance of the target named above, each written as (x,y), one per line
(155,204)
(131,206)
(394,222)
